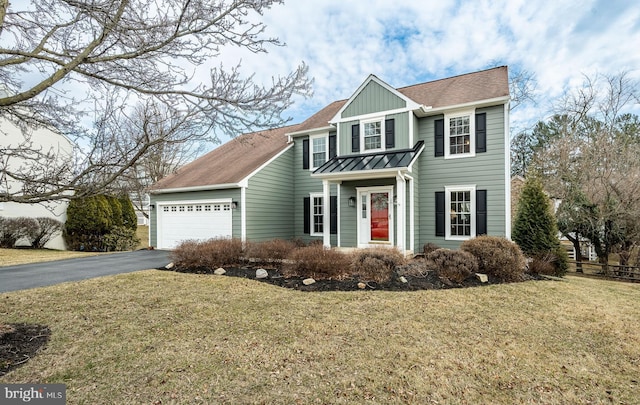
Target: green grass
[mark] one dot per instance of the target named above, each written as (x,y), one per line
(10,257)
(172,338)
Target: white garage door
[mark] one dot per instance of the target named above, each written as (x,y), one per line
(201,221)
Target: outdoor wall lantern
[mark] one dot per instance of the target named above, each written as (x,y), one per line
(152,207)
(234,204)
(352,201)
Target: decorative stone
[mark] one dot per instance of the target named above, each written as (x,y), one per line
(169,266)
(261,273)
(483,278)
(219,271)
(308,281)
(403,280)
(362,286)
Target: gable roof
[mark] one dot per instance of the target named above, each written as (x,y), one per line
(453,91)
(229,163)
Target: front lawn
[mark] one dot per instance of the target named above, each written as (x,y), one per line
(11,257)
(159,337)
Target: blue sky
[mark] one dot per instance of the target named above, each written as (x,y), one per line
(405,42)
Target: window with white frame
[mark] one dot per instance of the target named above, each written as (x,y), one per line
(317,214)
(319,151)
(372,135)
(459,134)
(460,219)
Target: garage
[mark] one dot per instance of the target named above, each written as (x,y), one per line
(202,220)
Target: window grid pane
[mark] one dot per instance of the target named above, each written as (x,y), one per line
(459,135)
(319,151)
(372,135)
(317,215)
(460,213)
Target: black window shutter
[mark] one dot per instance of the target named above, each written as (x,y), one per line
(332,145)
(390,133)
(439,133)
(481,133)
(481,212)
(305,154)
(355,138)
(307,215)
(333,210)
(440,212)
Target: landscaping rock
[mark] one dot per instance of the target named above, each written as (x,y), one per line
(403,279)
(169,266)
(219,271)
(483,278)
(362,286)
(261,273)
(308,281)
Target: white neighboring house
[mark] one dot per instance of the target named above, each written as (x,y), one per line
(45,140)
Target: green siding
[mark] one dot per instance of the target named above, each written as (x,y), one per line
(484,170)
(373,98)
(269,201)
(233,194)
(401,133)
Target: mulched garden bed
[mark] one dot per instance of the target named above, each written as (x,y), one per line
(19,342)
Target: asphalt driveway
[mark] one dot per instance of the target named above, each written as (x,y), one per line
(26,276)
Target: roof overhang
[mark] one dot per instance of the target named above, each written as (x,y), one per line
(225,186)
(425,111)
(311,131)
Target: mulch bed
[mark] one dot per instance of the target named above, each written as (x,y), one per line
(19,342)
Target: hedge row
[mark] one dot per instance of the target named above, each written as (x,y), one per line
(36,231)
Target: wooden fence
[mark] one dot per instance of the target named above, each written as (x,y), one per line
(630,273)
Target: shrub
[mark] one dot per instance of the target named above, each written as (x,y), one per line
(88,220)
(12,229)
(549,263)
(208,255)
(47,228)
(453,265)
(497,257)
(317,262)
(376,264)
(429,247)
(120,239)
(129,217)
(275,250)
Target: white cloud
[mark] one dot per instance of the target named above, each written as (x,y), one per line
(405,42)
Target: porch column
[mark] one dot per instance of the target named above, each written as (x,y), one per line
(401,219)
(326,217)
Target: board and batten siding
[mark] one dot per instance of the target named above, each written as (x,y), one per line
(485,170)
(371,99)
(270,208)
(304,185)
(233,194)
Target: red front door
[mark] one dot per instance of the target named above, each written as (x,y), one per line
(380,217)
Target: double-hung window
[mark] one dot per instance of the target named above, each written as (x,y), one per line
(317,214)
(461,215)
(319,155)
(372,135)
(459,130)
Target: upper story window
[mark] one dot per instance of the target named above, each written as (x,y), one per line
(460,221)
(372,135)
(459,134)
(319,154)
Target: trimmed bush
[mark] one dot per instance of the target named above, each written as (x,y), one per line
(270,251)
(317,262)
(429,247)
(207,256)
(13,229)
(120,239)
(376,264)
(453,265)
(497,257)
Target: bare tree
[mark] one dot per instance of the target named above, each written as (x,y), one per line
(122,52)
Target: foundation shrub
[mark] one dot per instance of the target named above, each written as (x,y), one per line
(453,265)
(206,256)
(270,251)
(429,247)
(377,265)
(317,262)
(497,257)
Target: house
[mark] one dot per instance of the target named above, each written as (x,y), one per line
(395,167)
(45,141)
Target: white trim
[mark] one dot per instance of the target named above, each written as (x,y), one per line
(507,172)
(267,163)
(368,190)
(326,213)
(325,136)
(429,111)
(411,129)
(410,104)
(196,188)
(328,128)
(381,120)
(358,175)
(472,131)
(312,214)
(472,211)
(338,211)
(243,214)
(401,212)
(412,213)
